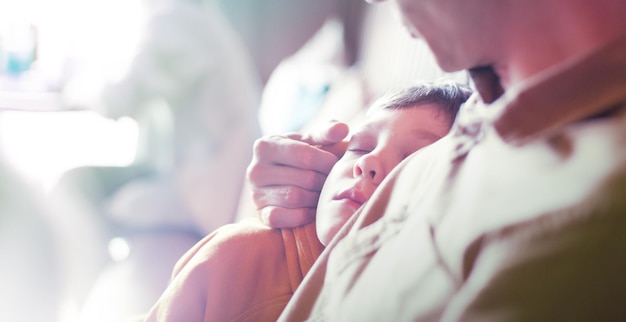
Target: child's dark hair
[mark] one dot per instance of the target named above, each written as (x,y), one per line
(447,95)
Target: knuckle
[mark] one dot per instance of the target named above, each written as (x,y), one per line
(253,172)
(259,198)
(260,145)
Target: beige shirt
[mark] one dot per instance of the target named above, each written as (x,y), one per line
(518,215)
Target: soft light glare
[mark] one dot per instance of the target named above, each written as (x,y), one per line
(119,249)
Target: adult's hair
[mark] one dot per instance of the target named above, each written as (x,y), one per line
(448,96)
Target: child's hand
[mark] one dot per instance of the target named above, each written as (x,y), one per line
(287,173)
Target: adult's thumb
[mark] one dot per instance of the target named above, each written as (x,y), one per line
(326,134)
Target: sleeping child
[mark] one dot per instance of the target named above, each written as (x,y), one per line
(248,272)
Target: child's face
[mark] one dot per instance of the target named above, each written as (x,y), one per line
(375,148)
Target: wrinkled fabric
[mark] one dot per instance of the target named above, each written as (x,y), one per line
(241,272)
(518,215)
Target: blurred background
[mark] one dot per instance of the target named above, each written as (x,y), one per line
(126,127)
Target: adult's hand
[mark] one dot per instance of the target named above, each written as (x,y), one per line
(287,173)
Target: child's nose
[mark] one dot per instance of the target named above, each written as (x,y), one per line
(370,166)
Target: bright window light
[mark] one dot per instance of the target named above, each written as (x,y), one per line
(43,145)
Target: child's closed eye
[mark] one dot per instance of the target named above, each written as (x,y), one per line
(358,150)
(361,144)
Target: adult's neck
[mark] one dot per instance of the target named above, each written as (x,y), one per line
(548,32)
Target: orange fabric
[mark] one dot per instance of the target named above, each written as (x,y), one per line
(241,272)
(302,249)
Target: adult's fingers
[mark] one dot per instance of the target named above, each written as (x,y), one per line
(288,172)
(279,217)
(264,175)
(324,134)
(285,196)
(281,150)
(338,149)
